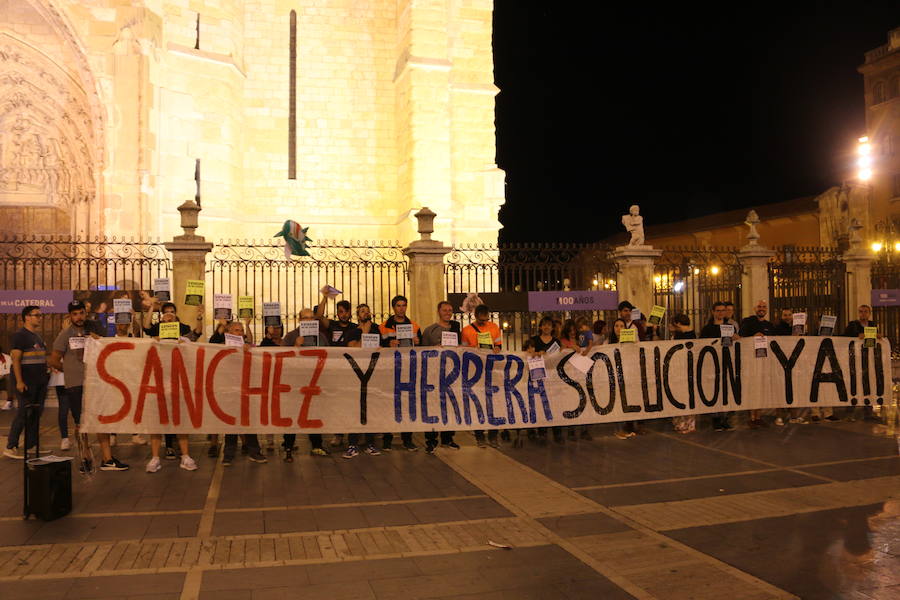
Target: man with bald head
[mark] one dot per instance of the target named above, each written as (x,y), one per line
(757,324)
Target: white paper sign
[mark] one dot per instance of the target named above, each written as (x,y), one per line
(760,346)
(537,369)
(449,338)
(162,289)
(581,362)
(271,309)
(76,343)
(234,340)
(726,330)
(553,349)
(404,331)
(635,314)
(371,340)
(799,319)
(122,307)
(222,306)
(309,328)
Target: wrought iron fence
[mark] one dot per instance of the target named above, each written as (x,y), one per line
(886,275)
(691,280)
(809,280)
(366,272)
(56,263)
(515,269)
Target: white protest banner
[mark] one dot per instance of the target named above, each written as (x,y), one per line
(143,386)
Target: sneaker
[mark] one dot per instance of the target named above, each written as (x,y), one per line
(623,435)
(112,440)
(154,465)
(288,455)
(227,459)
(113,464)
(65,444)
(188,463)
(429,448)
(257,456)
(86,466)
(318,452)
(779,421)
(8,405)
(31,451)
(371,450)
(410,447)
(481,443)
(12,453)
(799,421)
(451,445)
(352,452)
(213,451)
(337,440)
(386,448)
(138,440)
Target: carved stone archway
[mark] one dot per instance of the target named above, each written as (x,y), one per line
(50,150)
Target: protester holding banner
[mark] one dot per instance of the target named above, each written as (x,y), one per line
(568,339)
(444,332)
(626,309)
(68,357)
(485,335)
(784,325)
(400,331)
(336,330)
(626,429)
(857,329)
(307,334)
(367,331)
(29,378)
(681,329)
(718,327)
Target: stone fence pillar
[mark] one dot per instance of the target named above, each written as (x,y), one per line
(635,278)
(858,260)
(188,261)
(426,270)
(754,260)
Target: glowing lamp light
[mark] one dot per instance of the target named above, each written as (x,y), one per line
(877,246)
(696,271)
(864,149)
(596,282)
(896,246)
(679,285)
(505,325)
(714,270)
(865,174)
(657,279)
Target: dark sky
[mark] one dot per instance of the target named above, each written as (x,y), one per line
(685,111)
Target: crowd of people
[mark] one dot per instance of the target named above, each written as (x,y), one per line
(35,368)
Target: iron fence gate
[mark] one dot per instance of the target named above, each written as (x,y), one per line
(691,280)
(886,275)
(520,268)
(370,273)
(50,263)
(809,280)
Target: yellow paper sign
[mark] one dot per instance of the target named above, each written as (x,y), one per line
(170,331)
(193,293)
(484,340)
(245,307)
(656,314)
(870,332)
(628,335)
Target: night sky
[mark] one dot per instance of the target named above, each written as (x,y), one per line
(682,110)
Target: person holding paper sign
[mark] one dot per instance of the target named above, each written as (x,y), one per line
(400,331)
(484,334)
(308,333)
(719,327)
(857,328)
(169,314)
(444,332)
(626,429)
(757,325)
(625,313)
(68,357)
(337,331)
(365,335)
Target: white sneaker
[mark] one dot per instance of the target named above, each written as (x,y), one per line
(779,421)
(65,444)
(112,440)
(8,405)
(12,453)
(137,440)
(154,465)
(188,464)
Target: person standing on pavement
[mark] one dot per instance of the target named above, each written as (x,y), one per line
(68,357)
(337,331)
(29,379)
(485,335)
(753,326)
(391,337)
(354,340)
(857,329)
(294,339)
(713,329)
(433,335)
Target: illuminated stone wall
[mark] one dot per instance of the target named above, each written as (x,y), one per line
(394,111)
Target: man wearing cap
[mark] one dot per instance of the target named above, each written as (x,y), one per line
(68,357)
(29,378)
(625,308)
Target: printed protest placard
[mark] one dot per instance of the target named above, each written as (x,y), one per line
(656,314)
(799,324)
(628,335)
(122,309)
(449,338)
(246,307)
(826,325)
(870,335)
(370,340)
(309,331)
(193,293)
(162,289)
(169,331)
(760,346)
(222,306)
(726,331)
(234,340)
(272,314)
(537,369)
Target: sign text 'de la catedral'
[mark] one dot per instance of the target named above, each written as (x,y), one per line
(147,386)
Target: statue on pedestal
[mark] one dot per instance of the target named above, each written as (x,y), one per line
(634,224)
(752,221)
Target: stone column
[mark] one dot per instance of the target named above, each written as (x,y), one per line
(635,279)
(858,260)
(188,261)
(426,270)
(754,260)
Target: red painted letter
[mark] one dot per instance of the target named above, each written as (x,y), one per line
(262,390)
(277,389)
(210,386)
(312,389)
(180,383)
(105,376)
(152,367)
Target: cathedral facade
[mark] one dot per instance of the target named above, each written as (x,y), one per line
(344,115)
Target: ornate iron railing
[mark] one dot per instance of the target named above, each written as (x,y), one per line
(886,275)
(366,272)
(810,280)
(690,280)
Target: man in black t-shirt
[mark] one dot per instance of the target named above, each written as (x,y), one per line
(29,378)
(354,340)
(336,330)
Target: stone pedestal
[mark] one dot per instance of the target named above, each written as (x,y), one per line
(859,280)
(426,270)
(754,261)
(635,279)
(188,261)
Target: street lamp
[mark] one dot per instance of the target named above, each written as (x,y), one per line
(864,162)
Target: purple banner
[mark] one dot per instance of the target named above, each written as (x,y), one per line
(575,300)
(886,297)
(49,301)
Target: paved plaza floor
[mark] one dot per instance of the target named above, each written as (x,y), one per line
(805,511)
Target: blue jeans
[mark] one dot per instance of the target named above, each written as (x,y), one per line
(31,399)
(69,400)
